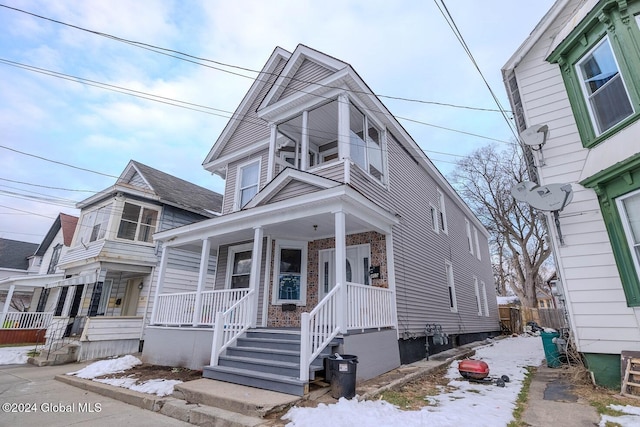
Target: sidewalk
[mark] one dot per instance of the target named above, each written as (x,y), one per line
(551,402)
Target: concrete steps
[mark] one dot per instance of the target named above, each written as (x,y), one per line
(268,359)
(67,354)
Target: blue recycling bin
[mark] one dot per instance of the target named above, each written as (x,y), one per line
(551,349)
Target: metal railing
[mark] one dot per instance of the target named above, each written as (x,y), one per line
(26,320)
(179,309)
(230,324)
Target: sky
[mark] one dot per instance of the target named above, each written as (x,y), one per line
(461,403)
(62,141)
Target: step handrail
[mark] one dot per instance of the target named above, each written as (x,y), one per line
(318,328)
(230,324)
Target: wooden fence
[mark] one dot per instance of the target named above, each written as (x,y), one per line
(514,319)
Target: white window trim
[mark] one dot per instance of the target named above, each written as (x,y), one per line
(435,222)
(104,297)
(382,130)
(239,169)
(484,298)
(290,244)
(467,226)
(231,253)
(477,241)
(77,238)
(143,206)
(585,94)
(476,288)
(627,229)
(451,287)
(443,213)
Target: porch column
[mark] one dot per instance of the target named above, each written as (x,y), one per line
(391,279)
(160,282)
(66,307)
(343,127)
(7,303)
(202,279)
(341,270)
(304,159)
(272,151)
(256,263)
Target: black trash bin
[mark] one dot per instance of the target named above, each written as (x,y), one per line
(342,374)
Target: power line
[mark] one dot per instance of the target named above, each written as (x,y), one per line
(28,212)
(183,56)
(45,186)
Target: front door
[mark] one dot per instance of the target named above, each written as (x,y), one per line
(131,297)
(357,267)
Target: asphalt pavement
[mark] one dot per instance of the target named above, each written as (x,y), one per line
(30,396)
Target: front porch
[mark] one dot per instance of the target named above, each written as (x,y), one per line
(323,268)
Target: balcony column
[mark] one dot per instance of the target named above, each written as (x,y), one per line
(202,280)
(254,278)
(7,303)
(341,270)
(304,159)
(272,151)
(160,282)
(344,138)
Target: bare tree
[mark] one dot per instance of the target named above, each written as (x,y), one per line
(518,234)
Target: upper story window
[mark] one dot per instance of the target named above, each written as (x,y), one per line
(469,237)
(442,213)
(138,223)
(93,225)
(598,60)
(453,302)
(603,87)
(248,182)
(366,143)
(435,225)
(55,257)
(629,207)
(475,236)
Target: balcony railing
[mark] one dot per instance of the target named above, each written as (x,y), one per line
(179,309)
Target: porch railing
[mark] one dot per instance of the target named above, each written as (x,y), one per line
(178,309)
(232,323)
(318,328)
(26,320)
(369,307)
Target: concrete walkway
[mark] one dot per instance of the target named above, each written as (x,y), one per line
(30,396)
(552,402)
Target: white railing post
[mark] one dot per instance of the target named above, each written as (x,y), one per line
(160,283)
(7,303)
(202,279)
(218,330)
(305,353)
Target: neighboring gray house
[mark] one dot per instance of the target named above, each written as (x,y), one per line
(98,290)
(577,74)
(336,230)
(15,257)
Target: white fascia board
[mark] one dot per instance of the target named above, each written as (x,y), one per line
(118,188)
(324,201)
(30,281)
(535,35)
(218,164)
(564,32)
(311,95)
(233,123)
(285,177)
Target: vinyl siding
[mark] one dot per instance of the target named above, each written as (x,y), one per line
(252,129)
(308,72)
(173,217)
(294,189)
(594,296)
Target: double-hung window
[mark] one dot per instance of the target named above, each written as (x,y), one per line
(629,208)
(467,225)
(603,87)
(93,225)
(248,182)
(137,223)
(442,212)
(453,303)
(239,266)
(365,139)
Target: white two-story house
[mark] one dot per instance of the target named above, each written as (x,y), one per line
(336,230)
(577,74)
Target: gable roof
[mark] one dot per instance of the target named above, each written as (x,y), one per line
(68,225)
(146,182)
(14,254)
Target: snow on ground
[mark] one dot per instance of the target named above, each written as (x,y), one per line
(14,355)
(160,387)
(630,419)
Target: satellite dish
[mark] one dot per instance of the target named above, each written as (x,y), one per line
(535,135)
(552,197)
(521,189)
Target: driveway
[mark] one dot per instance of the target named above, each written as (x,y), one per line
(29,396)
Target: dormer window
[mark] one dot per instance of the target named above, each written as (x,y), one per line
(248,182)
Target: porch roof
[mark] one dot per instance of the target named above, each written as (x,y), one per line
(307,217)
(29,282)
